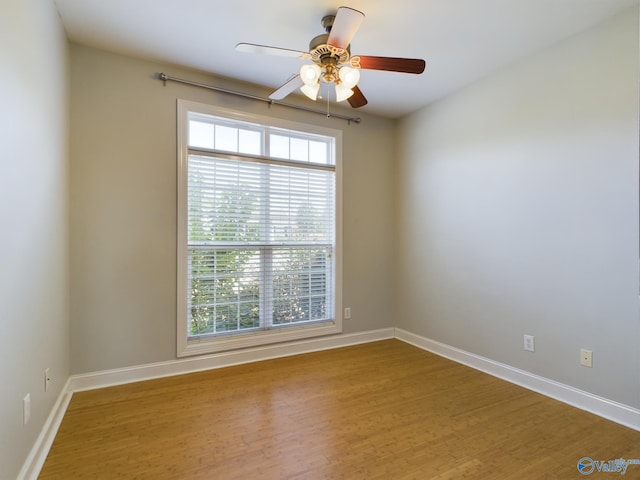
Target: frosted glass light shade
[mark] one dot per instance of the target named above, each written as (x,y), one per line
(349,76)
(310,74)
(310,91)
(342,92)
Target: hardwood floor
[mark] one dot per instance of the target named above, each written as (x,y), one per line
(379,410)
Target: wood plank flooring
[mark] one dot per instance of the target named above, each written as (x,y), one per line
(382,410)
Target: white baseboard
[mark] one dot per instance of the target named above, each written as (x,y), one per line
(38,454)
(181,366)
(614,411)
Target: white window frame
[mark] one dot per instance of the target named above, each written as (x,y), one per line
(186,345)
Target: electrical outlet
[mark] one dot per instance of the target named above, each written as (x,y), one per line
(26,408)
(347,313)
(586,358)
(47,379)
(529,344)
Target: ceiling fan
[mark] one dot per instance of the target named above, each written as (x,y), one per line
(332,61)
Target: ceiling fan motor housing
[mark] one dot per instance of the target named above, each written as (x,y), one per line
(322,53)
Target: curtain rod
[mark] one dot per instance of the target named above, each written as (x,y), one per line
(164,77)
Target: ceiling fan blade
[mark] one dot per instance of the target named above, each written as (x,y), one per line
(291,86)
(357,100)
(344,27)
(283,52)
(392,64)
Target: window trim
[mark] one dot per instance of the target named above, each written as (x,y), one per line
(187,346)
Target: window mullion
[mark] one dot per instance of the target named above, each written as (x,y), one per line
(266,287)
(266,252)
(215,294)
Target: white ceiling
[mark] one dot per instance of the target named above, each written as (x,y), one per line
(461,40)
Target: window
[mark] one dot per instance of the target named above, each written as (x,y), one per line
(258,230)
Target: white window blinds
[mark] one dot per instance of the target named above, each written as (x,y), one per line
(261,228)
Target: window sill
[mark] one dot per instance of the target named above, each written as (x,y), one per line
(235,342)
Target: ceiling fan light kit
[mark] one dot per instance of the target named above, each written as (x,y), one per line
(332,61)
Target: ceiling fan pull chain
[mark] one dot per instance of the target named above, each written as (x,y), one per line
(328,114)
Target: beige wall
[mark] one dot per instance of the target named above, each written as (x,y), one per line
(123,208)
(518,213)
(34,295)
